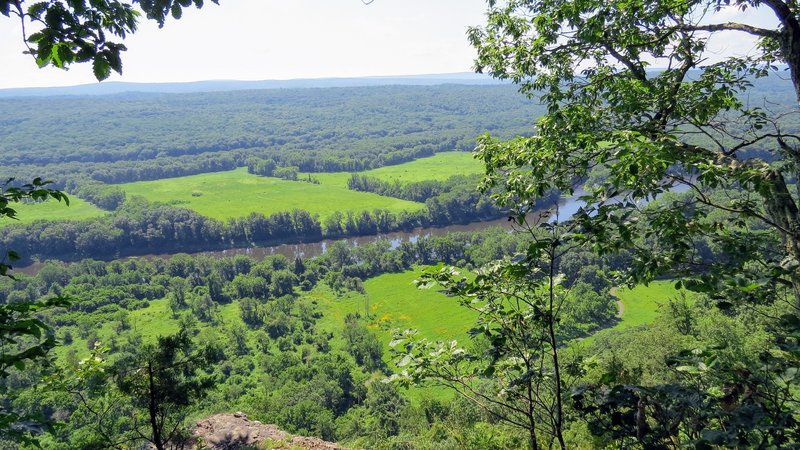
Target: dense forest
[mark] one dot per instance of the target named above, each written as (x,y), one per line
(274,133)
(150,136)
(273,358)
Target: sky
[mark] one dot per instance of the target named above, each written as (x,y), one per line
(278,39)
(286,39)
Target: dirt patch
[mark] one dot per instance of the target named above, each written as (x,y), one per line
(236,431)
(620,305)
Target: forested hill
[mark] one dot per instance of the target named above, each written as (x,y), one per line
(116,87)
(132,137)
(110,138)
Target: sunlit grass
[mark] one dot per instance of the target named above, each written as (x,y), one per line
(236,193)
(78,209)
(441,166)
(394,302)
(642,304)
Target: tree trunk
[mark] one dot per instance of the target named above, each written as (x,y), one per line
(783,210)
(791,50)
(153,410)
(790,43)
(532,440)
(558,421)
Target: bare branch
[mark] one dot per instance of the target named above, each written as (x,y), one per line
(734,26)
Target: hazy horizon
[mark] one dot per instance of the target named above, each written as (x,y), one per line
(258,40)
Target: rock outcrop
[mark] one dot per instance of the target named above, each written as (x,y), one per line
(236,431)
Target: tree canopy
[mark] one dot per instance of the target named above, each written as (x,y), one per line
(638,106)
(632,92)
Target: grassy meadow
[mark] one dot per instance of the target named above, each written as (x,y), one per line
(641,304)
(396,303)
(236,193)
(440,167)
(78,209)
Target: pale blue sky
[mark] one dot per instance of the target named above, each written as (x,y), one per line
(279,39)
(283,39)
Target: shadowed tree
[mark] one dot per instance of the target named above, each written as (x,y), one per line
(163,381)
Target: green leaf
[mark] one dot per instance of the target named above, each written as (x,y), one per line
(101,68)
(44,54)
(608,378)
(37,9)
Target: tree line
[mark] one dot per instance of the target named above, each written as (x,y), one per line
(419,191)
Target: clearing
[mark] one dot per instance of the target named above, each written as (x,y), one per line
(440,167)
(78,209)
(236,193)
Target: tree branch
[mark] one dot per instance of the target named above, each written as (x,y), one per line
(734,26)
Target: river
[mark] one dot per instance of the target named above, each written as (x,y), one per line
(313,249)
(566,207)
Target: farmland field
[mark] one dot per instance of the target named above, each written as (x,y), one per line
(439,167)
(78,209)
(236,193)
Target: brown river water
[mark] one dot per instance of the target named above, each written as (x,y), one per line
(566,207)
(313,249)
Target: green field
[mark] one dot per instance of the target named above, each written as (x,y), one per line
(395,303)
(641,305)
(236,193)
(78,209)
(441,166)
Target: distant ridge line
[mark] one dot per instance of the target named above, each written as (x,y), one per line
(119,87)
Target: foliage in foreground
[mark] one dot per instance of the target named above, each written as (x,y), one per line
(690,125)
